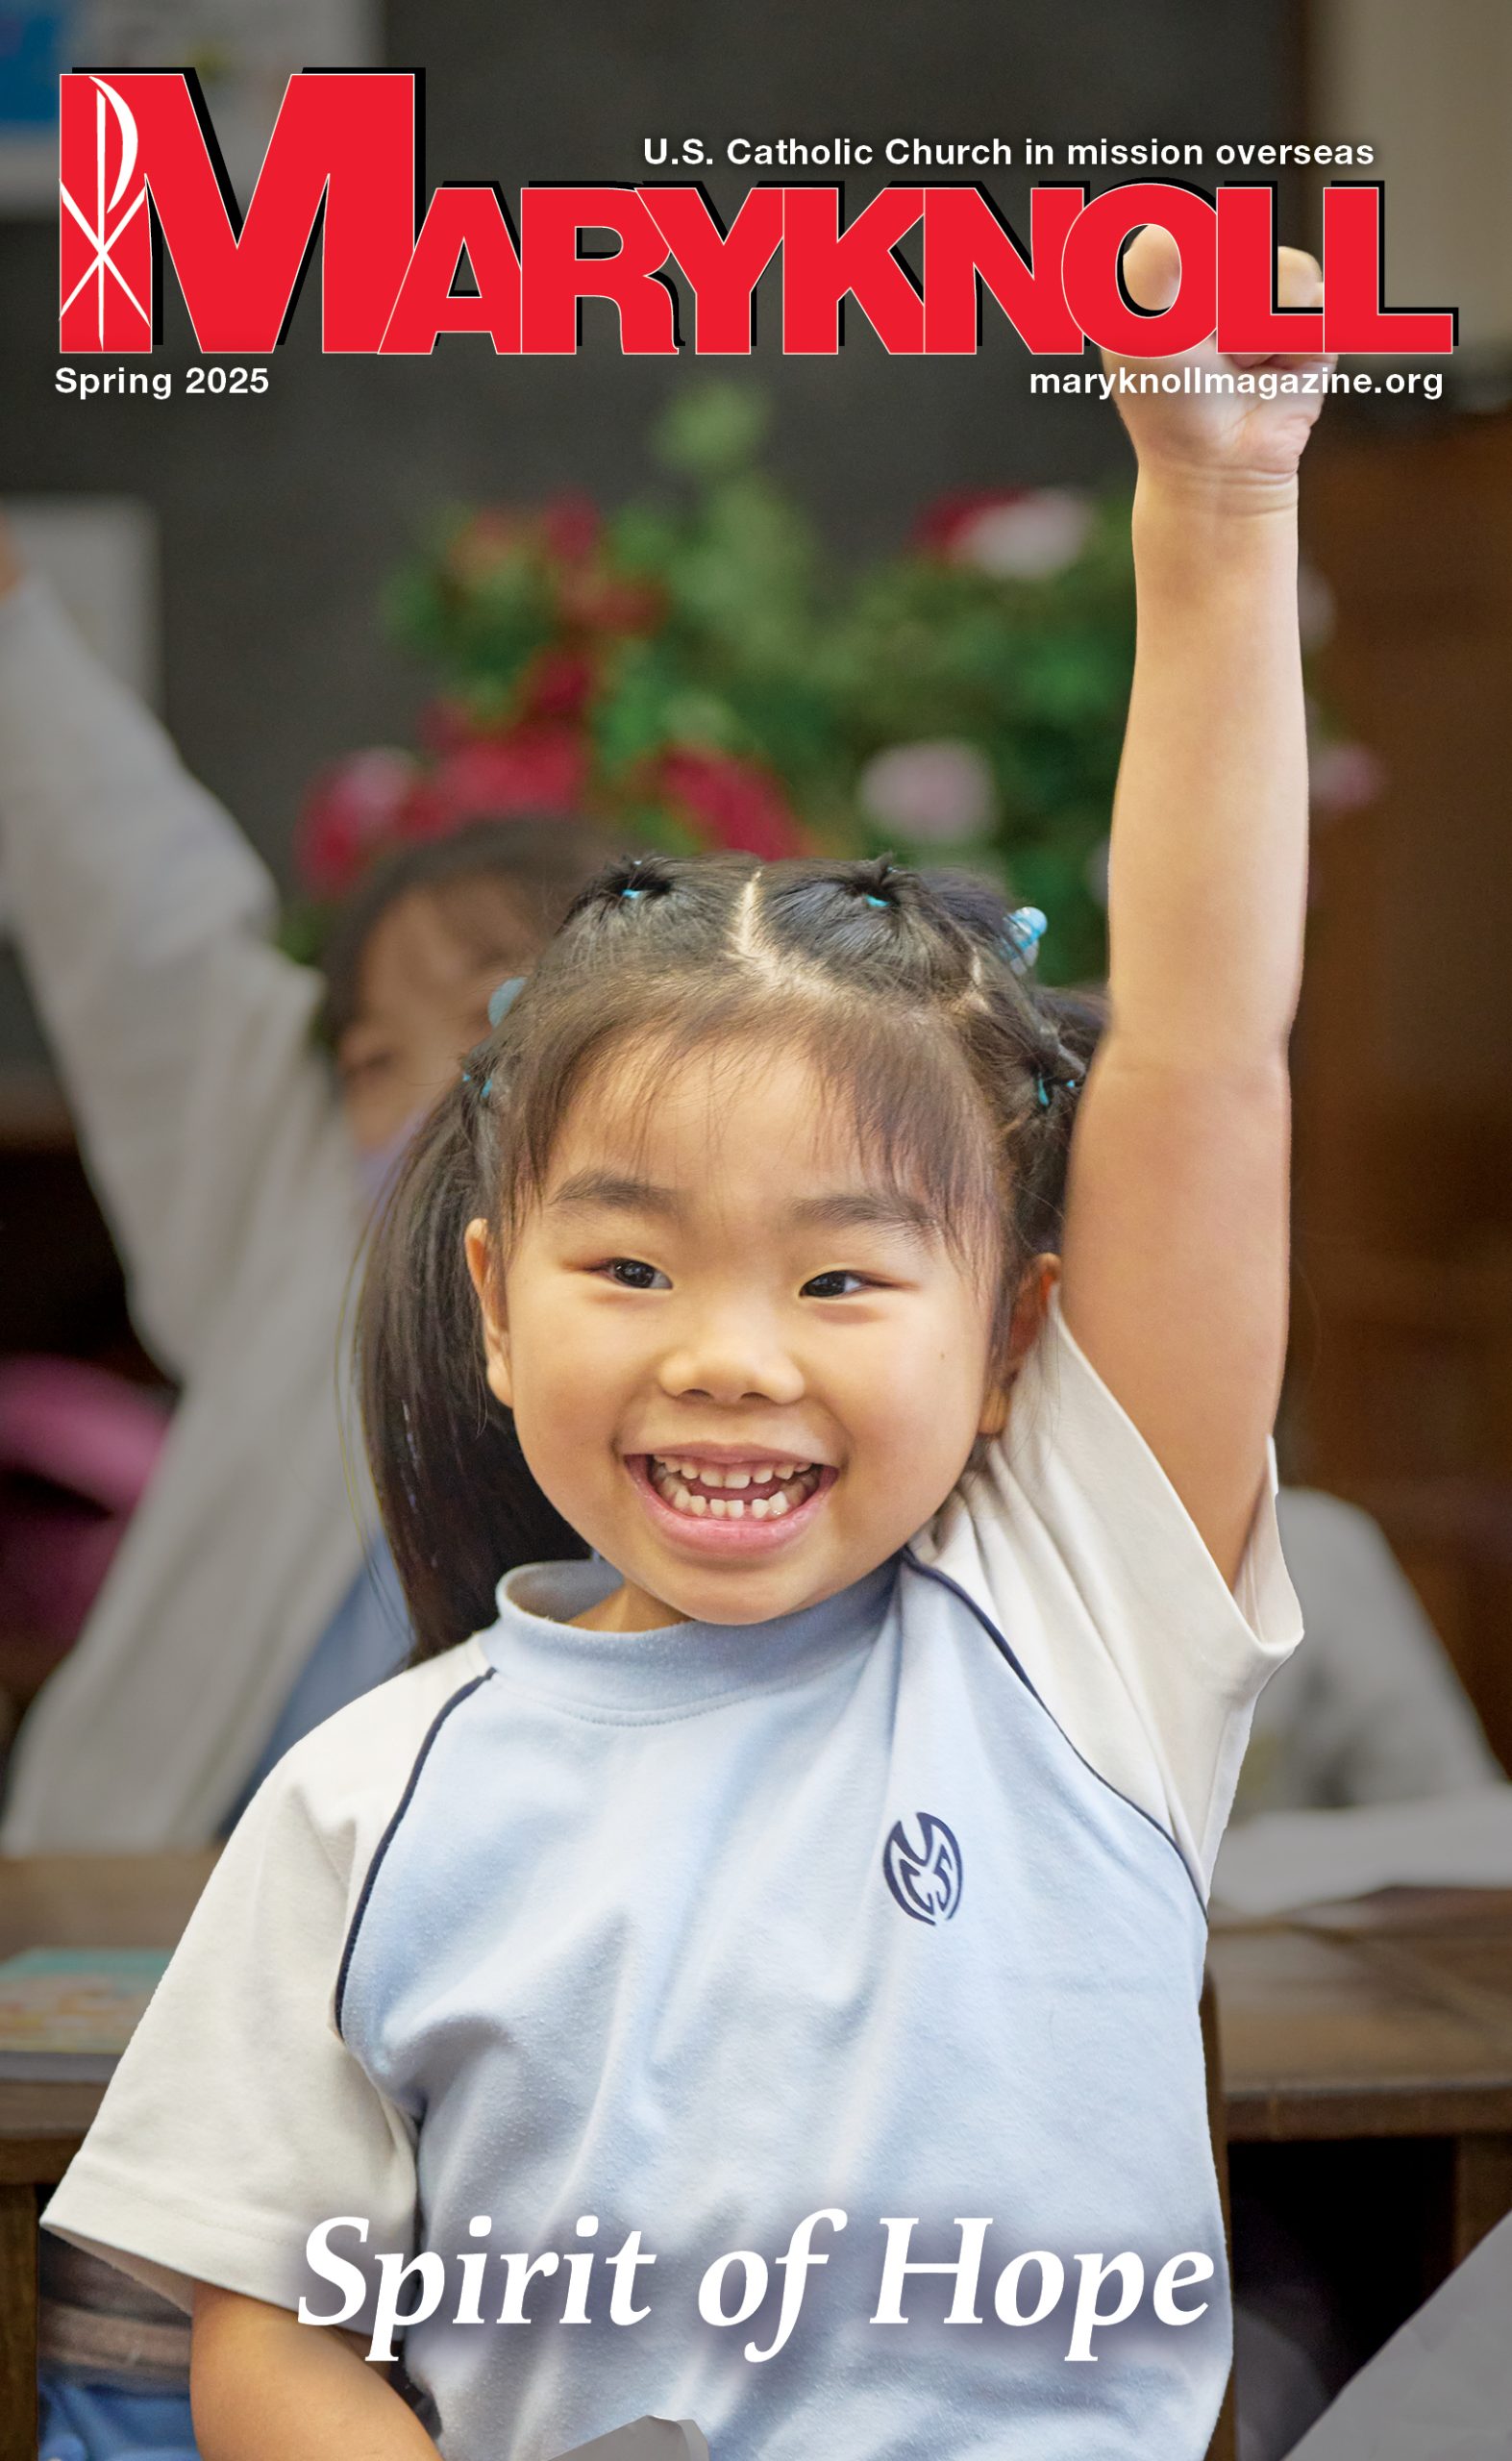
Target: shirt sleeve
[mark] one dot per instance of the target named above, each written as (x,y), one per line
(1071,1537)
(237,2120)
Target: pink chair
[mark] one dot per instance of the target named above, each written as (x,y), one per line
(77,1448)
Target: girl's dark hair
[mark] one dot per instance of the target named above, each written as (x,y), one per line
(540,864)
(959,1075)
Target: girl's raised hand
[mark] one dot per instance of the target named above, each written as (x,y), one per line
(1220,436)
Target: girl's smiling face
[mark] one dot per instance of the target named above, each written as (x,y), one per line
(717,1284)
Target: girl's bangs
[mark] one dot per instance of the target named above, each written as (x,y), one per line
(894,1083)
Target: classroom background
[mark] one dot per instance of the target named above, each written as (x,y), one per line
(299,583)
(257,539)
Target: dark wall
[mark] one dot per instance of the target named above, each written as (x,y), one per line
(280,516)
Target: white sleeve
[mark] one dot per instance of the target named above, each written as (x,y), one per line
(237,2120)
(1073,1541)
(142,917)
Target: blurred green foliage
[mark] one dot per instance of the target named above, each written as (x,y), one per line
(710,617)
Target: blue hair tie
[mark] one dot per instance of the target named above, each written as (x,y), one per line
(1021,935)
(877,901)
(1045,1086)
(500,1003)
(634,892)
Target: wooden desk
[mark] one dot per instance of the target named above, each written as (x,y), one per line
(1392,2018)
(58,1902)
(1389,2018)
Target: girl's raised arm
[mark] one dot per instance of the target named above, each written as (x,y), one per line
(1175,1277)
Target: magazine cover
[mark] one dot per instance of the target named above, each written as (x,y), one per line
(755,1271)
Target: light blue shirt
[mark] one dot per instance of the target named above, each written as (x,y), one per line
(702,1929)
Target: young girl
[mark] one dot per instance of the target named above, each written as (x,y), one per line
(748,1971)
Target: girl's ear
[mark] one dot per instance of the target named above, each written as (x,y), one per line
(483,1265)
(1029,1307)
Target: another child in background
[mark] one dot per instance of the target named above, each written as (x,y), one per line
(1372,1711)
(236,1151)
(833,1842)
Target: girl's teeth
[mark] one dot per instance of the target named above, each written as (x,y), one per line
(709,1474)
(680,1483)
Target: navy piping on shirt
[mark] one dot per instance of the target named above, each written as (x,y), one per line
(389,1833)
(926,1572)
(929,1572)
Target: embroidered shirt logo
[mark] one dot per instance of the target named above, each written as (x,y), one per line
(925,1880)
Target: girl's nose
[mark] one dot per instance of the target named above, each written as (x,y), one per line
(729,1363)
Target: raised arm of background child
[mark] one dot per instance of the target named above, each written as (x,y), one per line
(1176,1247)
(263,2383)
(142,917)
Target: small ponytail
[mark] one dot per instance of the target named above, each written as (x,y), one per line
(460,1507)
(624,882)
(1070,1025)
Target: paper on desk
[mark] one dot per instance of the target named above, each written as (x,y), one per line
(1290,1859)
(1441,2390)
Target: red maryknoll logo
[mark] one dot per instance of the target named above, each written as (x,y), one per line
(140,177)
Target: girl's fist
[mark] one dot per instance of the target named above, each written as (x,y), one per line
(1252,418)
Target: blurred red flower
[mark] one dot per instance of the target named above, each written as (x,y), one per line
(559,685)
(592,600)
(733,802)
(352,808)
(540,767)
(362,806)
(940,525)
(1011,534)
(571,526)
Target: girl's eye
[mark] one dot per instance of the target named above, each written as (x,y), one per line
(632,1275)
(818,1287)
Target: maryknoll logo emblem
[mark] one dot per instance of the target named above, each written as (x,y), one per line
(140,177)
(115,158)
(926,1878)
(139,170)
